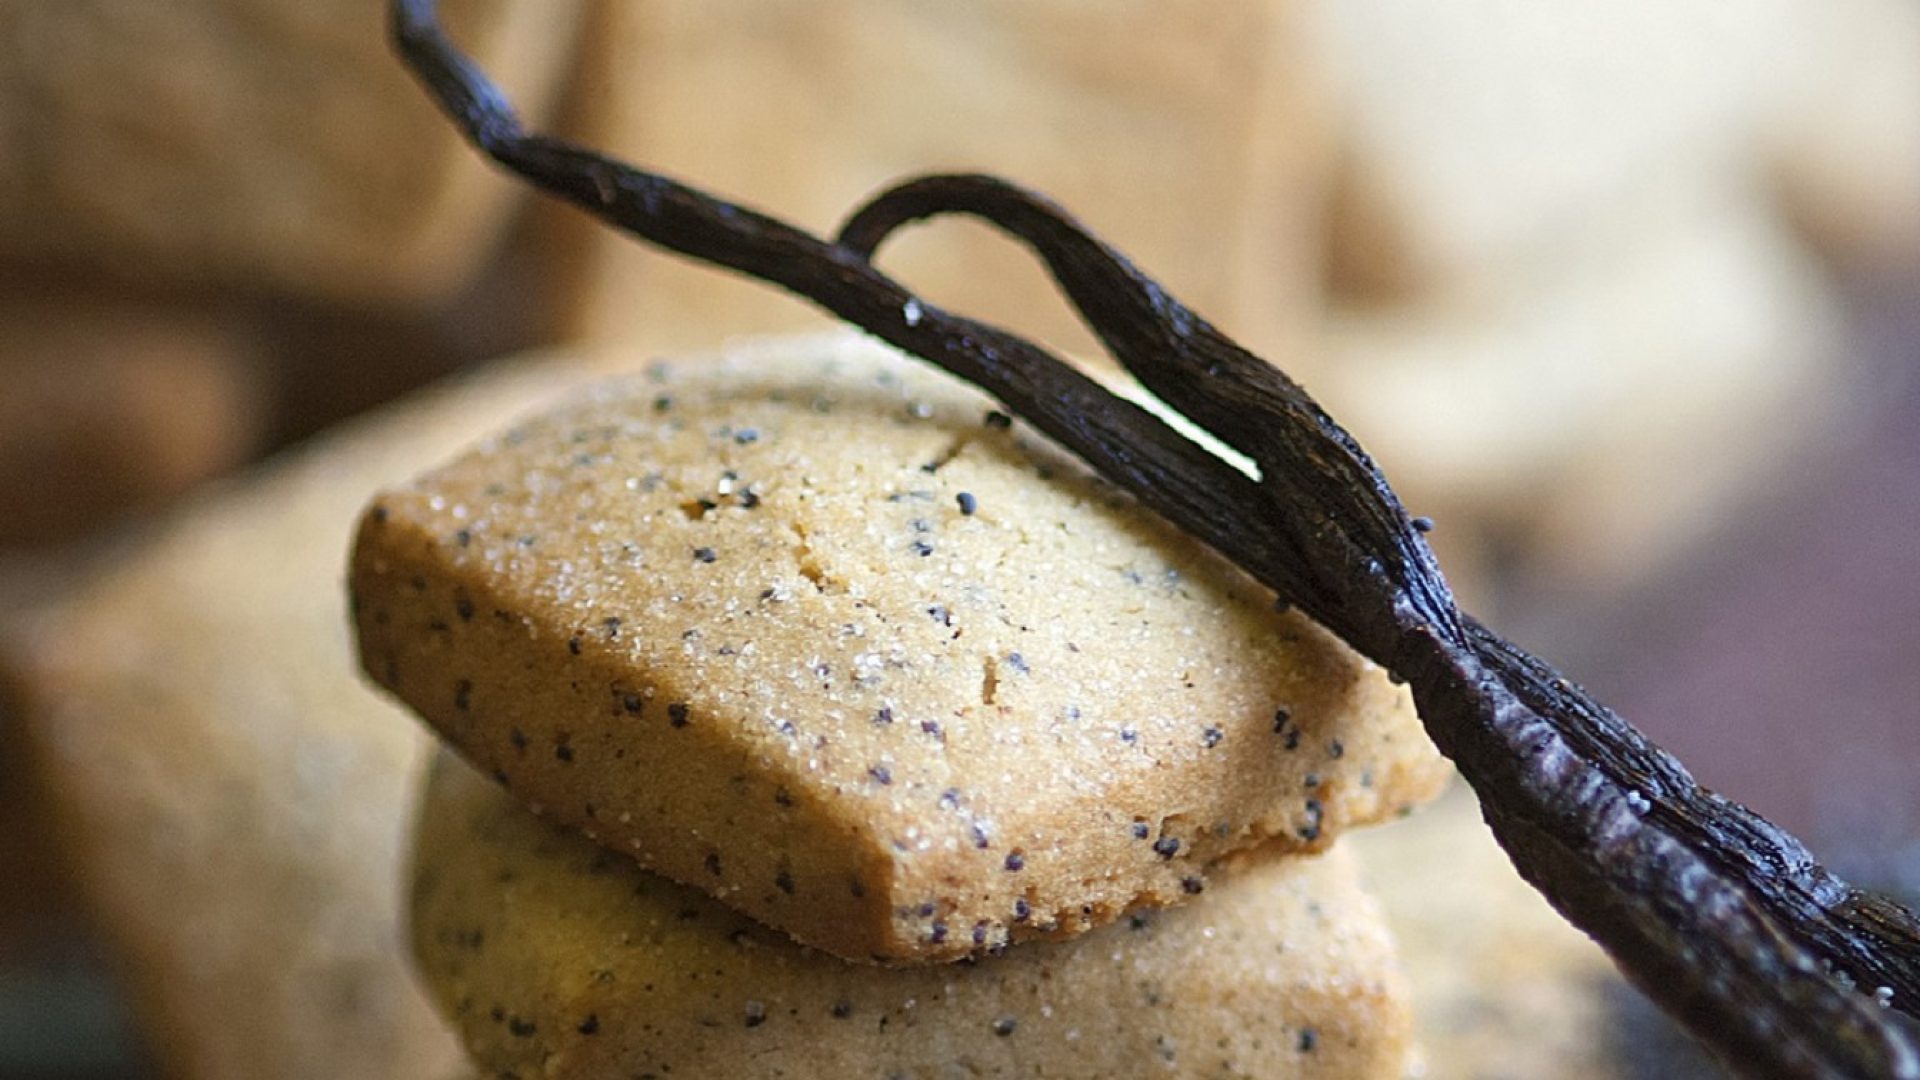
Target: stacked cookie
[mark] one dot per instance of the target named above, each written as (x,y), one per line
(873,736)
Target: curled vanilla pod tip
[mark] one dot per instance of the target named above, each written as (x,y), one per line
(1722,918)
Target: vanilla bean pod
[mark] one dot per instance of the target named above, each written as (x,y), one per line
(1313,471)
(1722,918)
(1690,893)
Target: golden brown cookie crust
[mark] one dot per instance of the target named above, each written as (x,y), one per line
(559,959)
(817,632)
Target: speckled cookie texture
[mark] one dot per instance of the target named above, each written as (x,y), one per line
(559,959)
(817,631)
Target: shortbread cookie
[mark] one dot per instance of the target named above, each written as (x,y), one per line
(1544,425)
(112,407)
(1193,134)
(559,959)
(257,144)
(815,630)
(1582,282)
(1502,985)
(232,798)
(1488,145)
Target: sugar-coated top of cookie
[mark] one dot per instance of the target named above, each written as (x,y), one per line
(1015,701)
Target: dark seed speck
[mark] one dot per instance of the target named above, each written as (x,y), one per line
(1311,829)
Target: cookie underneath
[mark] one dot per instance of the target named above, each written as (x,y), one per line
(558,959)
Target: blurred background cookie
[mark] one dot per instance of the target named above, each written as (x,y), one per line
(112,407)
(215,210)
(1584,263)
(259,144)
(232,802)
(1192,134)
(1501,985)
